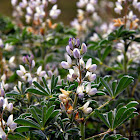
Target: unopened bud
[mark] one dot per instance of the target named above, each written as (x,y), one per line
(83,48)
(92,68)
(76,53)
(1,101)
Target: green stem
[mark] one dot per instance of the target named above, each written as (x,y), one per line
(125,62)
(82,129)
(108,131)
(110,68)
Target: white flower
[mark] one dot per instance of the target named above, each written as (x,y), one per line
(73,74)
(52,1)
(14,2)
(118,8)
(80,89)
(95,37)
(54,12)
(40,73)
(9,47)
(21,72)
(81,3)
(91,77)
(19,86)
(90,8)
(68,64)
(1,43)
(7,106)
(2,133)
(89,90)
(11,124)
(86,109)
(89,66)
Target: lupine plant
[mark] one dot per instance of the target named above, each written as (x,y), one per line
(93,94)
(76,101)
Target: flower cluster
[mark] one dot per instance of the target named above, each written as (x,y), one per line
(87,16)
(30,76)
(35,12)
(130,20)
(81,72)
(10,125)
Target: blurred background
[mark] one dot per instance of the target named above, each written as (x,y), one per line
(68,9)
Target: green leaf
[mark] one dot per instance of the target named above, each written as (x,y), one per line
(35,91)
(110,118)
(114,85)
(34,114)
(45,84)
(28,122)
(40,87)
(103,118)
(12,93)
(52,116)
(23,129)
(52,83)
(123,83)
(106,52)
(44,115)
(125,115)
(99,93)
(118,115)
(132,104)
(105,84)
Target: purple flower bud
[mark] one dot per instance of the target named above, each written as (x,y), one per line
(2,92)
(74,76)
(92,77)
(1,101)
(69,78)
(76,53)
(83,48)
(42,73)
(33,64)
(77,42)
(4,137)
(93,67)
(10,107)
(65,65)
(92,91)
(24,59)
(69,51)
(13,126)
(50,73)
(81,95)
(70,44)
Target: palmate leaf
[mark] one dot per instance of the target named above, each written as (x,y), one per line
(106,85)
(123,83)
(116,89)
(28,122)
(115,118)
(114,137)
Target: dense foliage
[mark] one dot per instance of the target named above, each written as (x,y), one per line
(93,94)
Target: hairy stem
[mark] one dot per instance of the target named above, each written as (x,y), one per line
(82,129)
(108,131)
